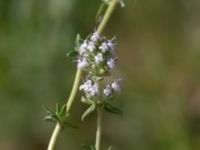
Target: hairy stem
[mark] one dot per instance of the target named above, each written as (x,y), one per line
(77,80)
(99,127)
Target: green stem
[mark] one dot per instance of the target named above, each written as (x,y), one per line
(99,127)
(107,15)
(78,77)
(54,137)
(74,89)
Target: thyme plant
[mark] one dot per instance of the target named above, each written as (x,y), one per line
(95,58)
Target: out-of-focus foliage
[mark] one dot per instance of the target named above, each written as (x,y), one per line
(159,61)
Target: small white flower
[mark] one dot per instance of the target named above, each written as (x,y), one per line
(104,47)
(82,51)
(88,82)
(111,45)
(95,37)
(83,63)
(111,63)
(88,87)
(98,58)
(115,86)
(91,47)
(84,44)
(83,48)
(81,87)
(94,90)
(107,91)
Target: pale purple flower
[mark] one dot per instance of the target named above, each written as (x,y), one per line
(94,90)
(82,87)
(98,58)
(107,91)
(111,63)
(82,51)
(83,48)
(91,47)
(115,86)
(104,47)
(95,37)
(88,87)
(88,82)
(83,63)
(111,44)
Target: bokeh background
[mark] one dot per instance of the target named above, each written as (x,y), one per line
(159,63)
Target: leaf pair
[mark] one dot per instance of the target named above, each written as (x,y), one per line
(61,112)
(59,116)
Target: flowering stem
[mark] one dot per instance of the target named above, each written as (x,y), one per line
(76,84)
(99,127)
(99,108)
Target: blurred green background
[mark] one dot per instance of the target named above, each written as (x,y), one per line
(159,63)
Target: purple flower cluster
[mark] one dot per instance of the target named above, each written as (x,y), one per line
(90,88)
(96,54)
(96,57)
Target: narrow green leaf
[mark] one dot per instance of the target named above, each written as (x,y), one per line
(72,53)
(62,112)
(88,111)
(89,35)
(58,108)
(50,119)
(71,125)
(101,11)
(111,109)
(47,109)
(77,41)
(88,147)
(121,3)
